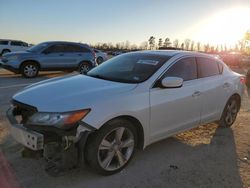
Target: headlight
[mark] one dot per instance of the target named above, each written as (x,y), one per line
(61,120)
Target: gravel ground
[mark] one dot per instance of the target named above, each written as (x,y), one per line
(206,156)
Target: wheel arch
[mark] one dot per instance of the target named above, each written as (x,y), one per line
(5,49)
(238,98)
(85,61)
(138,126)
(33,61)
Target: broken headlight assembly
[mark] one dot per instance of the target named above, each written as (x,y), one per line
(59,120)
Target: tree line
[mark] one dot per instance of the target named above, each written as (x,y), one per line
(243,45)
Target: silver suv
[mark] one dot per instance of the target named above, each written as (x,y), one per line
(7,46)
(50,56)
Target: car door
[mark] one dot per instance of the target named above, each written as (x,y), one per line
(55,57)
(174,109)
(214,88)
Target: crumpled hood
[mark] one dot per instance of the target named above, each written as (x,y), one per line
(69,93)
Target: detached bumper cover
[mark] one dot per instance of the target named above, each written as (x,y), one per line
(31,139)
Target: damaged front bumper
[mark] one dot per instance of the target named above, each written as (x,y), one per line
(62,149)
(30,139)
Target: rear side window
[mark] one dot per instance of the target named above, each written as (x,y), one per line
(185,68)
(207,67)
(57,48)
(16,43)
(71,48)
(4,42)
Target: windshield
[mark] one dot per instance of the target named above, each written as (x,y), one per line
(37,47)
(129,68)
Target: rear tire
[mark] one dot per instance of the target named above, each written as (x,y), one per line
(29,69)
(230,112)
(107,152)
(99,60)
(84,67)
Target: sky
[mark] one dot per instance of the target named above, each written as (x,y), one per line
(93,21)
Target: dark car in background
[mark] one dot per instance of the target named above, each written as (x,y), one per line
(50,56)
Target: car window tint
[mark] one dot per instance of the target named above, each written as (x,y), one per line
(16,43)
(185,68)
(71,48)
(4,42)
(25,44)
(57,48)
(85,50)
(207,67)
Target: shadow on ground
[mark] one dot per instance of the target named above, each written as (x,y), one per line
(186,160)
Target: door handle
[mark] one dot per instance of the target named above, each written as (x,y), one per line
(61,54)
(196,94)
(226,85)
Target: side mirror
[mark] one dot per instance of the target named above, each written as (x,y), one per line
(171,82)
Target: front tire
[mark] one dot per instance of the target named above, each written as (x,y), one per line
(111,148)
(230,112)
(29,69)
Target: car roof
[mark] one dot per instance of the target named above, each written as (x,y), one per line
(10,40)
(64,42)
(173,52)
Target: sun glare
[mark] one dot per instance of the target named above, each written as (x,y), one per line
(226,27)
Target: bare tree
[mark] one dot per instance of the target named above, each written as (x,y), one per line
(133,47)
(206,47)
(198,46)
(144,45)
(127,45)
(187,43)
(167,42)
(118,45)
(160,42)
(176,43)
(246,42)
(192,46)
(151,41)
(182,46)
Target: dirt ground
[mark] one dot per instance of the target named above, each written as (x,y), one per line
(206,156)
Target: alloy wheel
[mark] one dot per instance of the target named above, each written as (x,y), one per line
(30,70)
(116,149)
(231,113)
(84,68)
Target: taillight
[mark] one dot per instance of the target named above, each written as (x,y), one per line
(242,79)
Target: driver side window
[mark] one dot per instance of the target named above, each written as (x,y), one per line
(185,68)
(57,48)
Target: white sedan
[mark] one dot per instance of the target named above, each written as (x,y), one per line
(128,102)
